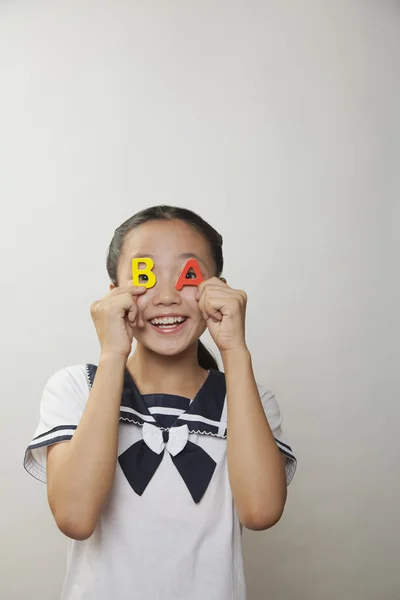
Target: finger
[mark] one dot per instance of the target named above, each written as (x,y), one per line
(135,316)
(214,279)
(221,287)
(213,313)
(221,291)
(140,319)
(130,327)
(209,286)
(215,304)
(211,281)
(124,301)
(210,306)
(202,297)
(132,313)
(135,290)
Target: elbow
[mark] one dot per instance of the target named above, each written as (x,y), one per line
(262,519)
(72,521)
(76,530)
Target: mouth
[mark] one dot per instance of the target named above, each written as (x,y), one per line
(168,324)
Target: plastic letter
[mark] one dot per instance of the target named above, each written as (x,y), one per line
(191,264)
(136,272)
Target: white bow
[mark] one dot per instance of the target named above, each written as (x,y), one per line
(153,437)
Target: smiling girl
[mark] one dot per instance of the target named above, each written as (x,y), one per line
(154,461)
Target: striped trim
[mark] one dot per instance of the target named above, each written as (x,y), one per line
(284,445)
(206,432)
(165,410)
(290,462)
(127,418)
(57,434)
(198,418)
(202,414)
(61,433)
(167,401)
(58,428)
(200,430)
(285,449)
(132,411)
(53,440)
(287,454)
(199,427)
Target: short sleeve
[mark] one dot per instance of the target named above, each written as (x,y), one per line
(62,404)
(274,418)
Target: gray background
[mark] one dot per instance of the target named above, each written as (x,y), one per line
(279,122)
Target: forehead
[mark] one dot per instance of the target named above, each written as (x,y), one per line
(165,240)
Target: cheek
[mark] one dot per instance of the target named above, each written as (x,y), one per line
(188,295)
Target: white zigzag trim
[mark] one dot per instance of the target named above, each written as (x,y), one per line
(208,433)
(168,428)
(133,421)
(88,376)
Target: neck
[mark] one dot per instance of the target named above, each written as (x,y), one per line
(155,373)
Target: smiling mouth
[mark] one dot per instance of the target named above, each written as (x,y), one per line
(168,324)
(167,320)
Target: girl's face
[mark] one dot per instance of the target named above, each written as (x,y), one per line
(170,244)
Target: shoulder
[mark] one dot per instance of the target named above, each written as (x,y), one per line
(70,374)
(267,397)
(71,380)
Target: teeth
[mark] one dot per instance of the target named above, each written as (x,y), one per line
(167,320)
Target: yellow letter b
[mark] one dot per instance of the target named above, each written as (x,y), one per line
(147,272)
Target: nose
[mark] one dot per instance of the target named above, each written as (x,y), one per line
(165,293)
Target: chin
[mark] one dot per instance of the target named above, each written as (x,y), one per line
(166,347)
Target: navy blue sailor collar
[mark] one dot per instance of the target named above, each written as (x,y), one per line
(176,418)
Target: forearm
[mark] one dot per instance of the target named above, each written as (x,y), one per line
(255,465)
(85,472)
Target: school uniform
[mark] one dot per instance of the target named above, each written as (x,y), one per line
(170,529)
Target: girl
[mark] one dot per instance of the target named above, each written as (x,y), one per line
(155,461)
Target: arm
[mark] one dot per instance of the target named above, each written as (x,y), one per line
(255,464)
(80,472)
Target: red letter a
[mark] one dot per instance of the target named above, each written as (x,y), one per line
(191,264)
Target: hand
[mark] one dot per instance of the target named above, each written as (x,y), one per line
(224,310)
(115,316)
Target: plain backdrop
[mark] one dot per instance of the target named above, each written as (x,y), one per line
(278,121)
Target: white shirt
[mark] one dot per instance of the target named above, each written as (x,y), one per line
(178,537)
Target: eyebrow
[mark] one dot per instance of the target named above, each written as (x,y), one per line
(184,255)
(193,255)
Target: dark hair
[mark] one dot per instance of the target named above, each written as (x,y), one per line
(169,213)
